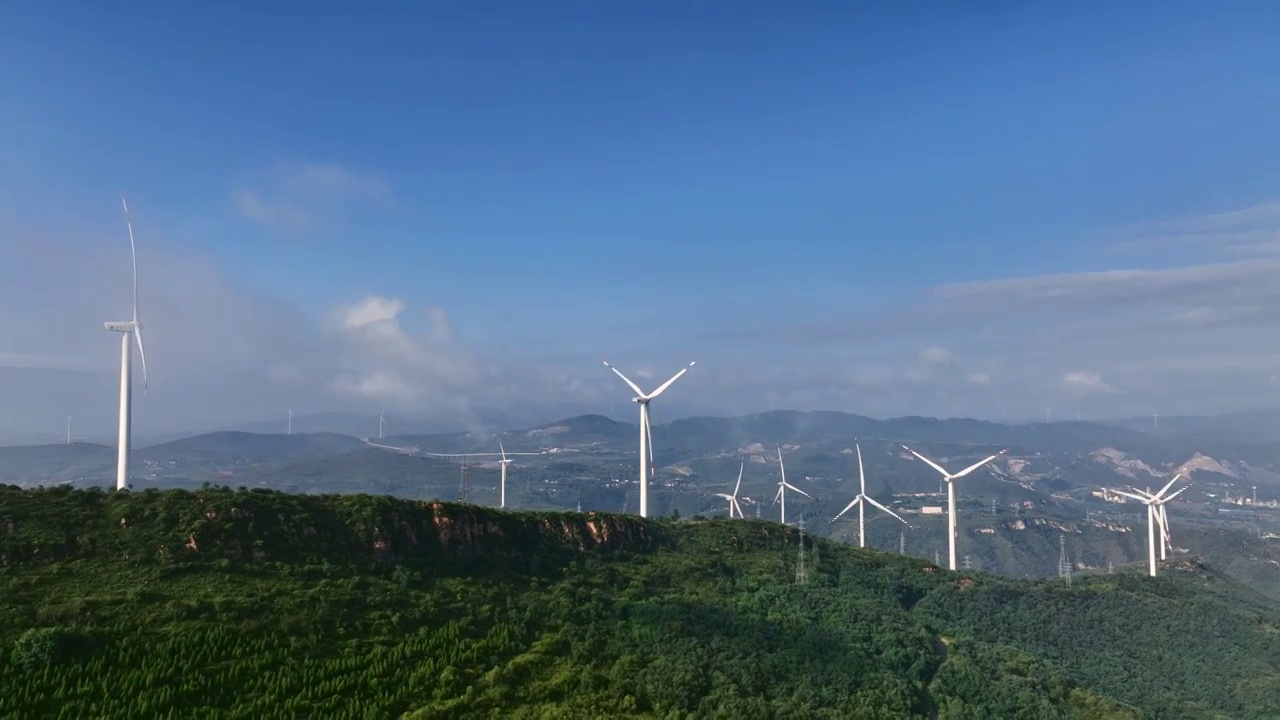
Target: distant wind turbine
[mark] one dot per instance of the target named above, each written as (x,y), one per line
(1155,516)
(68,429)
(502,493)
(290,432)
(783,486)
(130,331)
(951,495)
(861,501)
(733,499)
(646,433)
(382,418)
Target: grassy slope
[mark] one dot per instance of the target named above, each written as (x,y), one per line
(356,606)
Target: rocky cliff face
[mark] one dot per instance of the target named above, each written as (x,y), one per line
(178,526)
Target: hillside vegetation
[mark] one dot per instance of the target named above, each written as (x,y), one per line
(218,603)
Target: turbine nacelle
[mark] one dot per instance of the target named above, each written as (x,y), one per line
(122,327)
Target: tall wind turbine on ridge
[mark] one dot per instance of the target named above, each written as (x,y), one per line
(646,434)
(783,485)
(1154,505)
(951,495)
(733,499)
(861,501)
(130,331)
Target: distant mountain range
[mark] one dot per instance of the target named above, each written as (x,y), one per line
(1013,511)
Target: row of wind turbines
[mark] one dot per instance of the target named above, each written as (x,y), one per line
(1155,502)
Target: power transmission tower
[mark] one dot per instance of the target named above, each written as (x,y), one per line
(967,565)
(993,507)
(1064,565)
(463,488)
(579,506)
(935,557)
(1111,569)
(902,543)
(802,573)
(757,511)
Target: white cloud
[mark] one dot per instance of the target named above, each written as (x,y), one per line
(220,353)
(1080,383)
(296,197)
(936,355)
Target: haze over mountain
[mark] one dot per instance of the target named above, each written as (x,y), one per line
(1013,515)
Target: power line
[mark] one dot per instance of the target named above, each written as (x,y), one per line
(802,573)
(1064,564)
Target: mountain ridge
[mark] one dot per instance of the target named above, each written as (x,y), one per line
(205,602)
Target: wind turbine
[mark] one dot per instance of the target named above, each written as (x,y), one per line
(130,331)
(290,422)
(382,417)
(861,501)
(733,499)
(646,433)
(502,493)
(1155,516)
(782,488)
(951,495)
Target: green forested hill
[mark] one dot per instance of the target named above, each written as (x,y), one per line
(219,603)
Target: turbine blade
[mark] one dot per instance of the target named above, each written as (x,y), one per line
(648,433)
(133,254)
(625,379)
(1145,494)
(793,487)
(782,468)
(979,464)
(739,484)
(737,507)
(847,508)
(142,353)
(778,496)
(873,502)
(1165,489)
(1175,494)
(931,463)
(503,451)
(862,476)
(1139,498)
(663,387)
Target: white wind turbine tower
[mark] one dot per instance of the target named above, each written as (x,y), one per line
(861,501)
(646,433)
(733,499)
(951,495)
(130,331)
(1155,516)
(502,492)
(783,485)
(290,432)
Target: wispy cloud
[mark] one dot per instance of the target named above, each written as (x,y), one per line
(1106,341)
(297,197)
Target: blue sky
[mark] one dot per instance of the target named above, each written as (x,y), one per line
(777,191)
